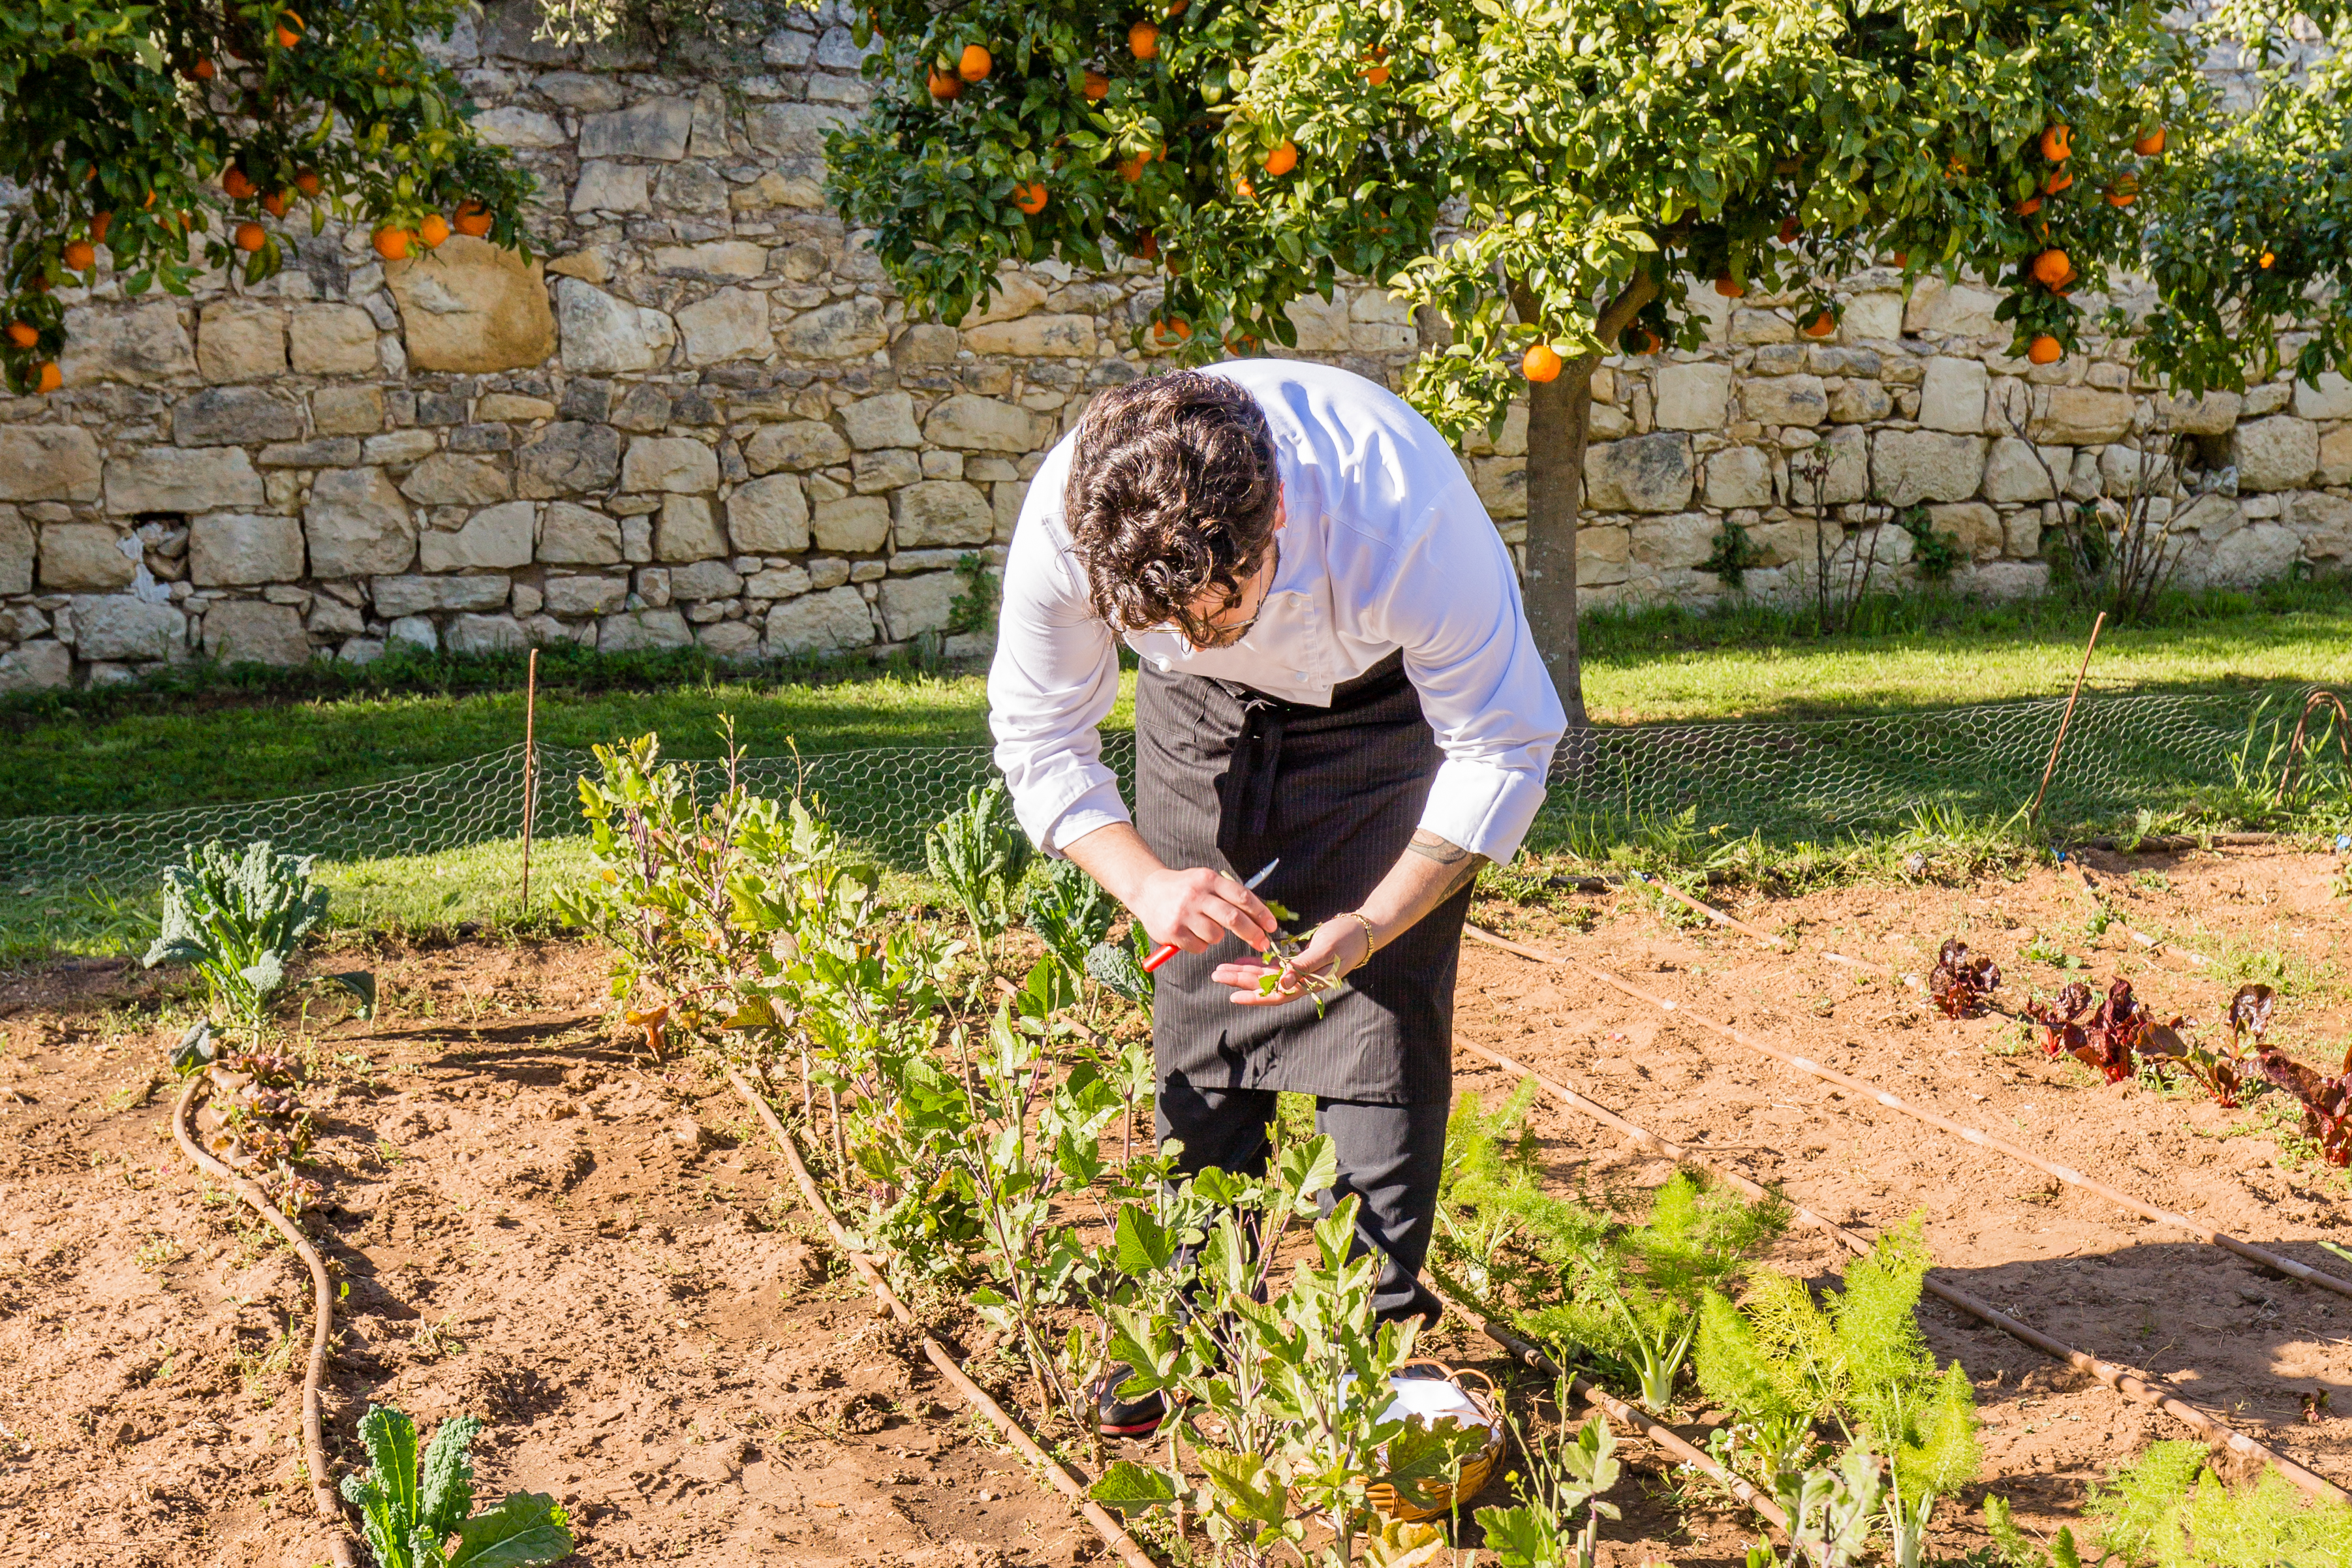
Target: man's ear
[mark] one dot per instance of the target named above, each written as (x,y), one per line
(1281,511)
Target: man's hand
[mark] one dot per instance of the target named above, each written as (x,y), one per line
(1196,909)
(1339,947)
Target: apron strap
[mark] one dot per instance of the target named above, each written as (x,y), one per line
(1257,756)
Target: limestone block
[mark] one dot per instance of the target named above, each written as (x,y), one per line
(612,188)
(1322,324)
(912,604)
(1695,396)
(1760,327)
(1859,402)
(688,531)
(1952,397)
(255,631)
(734,641)
(2331,399)
(695,189)
(1682,540)
(1961,310)
(2326,524)
(1007,496)
(397,596)
(1877,314)
(495,537)
(331,341)
(798,130)
(1602,551)
(2280,453)
(570,457)
(139,345)
(655,128)
(1063,336)
(2125,469)
(576,596)
(17,553)
(1382,338)
(2257,553)
(2013,473)
(333,618)
(855,525)
(183,480)
(803,443)
(2082,416)
(234,416)
(722,258)
(1910,465)
(703,580)
(570,535)
(603,335)
(1016,294)
(2335,456)
(970,423)
(84,558)
(676,464)
(458,479)
(1974,527)
(240,340)
(233,548)
(1511,441)
(942,512)
(36,666)
(1644,474)
(1379,305)
(769,517)
(472,306)
(479,635)
(47,462)
(841,330)
(347,411)
(1799,399)
(413,632)
(870,423)
(777,582)
(507,126)
(2213,515)
(643,629)
(358,525)
(1502,486)
(2215,413)
(122,626)
(1837,468)
(819,623)
(2007,579)
(732,324)
(1738,477)
(333,452)
(872,473)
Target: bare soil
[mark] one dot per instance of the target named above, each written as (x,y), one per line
(602,1258)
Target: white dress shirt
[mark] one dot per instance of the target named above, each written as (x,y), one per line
(1384,546)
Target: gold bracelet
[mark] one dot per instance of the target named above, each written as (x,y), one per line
(1372,942)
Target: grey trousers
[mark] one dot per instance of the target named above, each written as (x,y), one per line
(1390,1160)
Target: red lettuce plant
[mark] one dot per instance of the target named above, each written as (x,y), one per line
(2119,1027)
(2326,1102)
(1959,983)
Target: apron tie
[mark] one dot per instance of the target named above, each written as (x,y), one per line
(1257,756)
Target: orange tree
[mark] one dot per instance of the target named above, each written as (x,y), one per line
(180,136)
(1546,176)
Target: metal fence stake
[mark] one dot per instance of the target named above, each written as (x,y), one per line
(2034,815)
(529,768)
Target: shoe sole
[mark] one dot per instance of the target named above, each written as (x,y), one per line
(1136,1429)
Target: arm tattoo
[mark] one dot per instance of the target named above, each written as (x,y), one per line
(1464,864)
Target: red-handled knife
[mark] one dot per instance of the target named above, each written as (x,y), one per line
(1167,950)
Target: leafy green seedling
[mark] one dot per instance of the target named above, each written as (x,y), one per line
(979,852)
(236,919)
(411,1504)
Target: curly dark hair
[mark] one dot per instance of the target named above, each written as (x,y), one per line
(1172,495)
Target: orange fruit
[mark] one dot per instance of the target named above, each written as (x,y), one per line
(1147,245)
(1651,342)
(307,181)
(1790,229)
(2027,207)
(1244,189)
(1131,169)
(974,63)
(2052,267)
(48,377)
(274,204)
(1143,41)
(2268,259)
(1283,159)
(251,236)
(24,334)
(433,231)
(2125,192)
(99,224)
(392,244)
(1241,343)
(234,182)
(473,218)
(203,70)
(1377,72)
(1170,330)
(1900,258)
(1097,86)
(944,85)
(2044,351)
(2150,145)
(289,31)
(1540,364)
(2058,144)
(2056,182)
(1821,325)
(1178,7)
(1030,198)
(80,255)
(1729,287)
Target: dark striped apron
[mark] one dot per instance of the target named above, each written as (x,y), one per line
(1230,778)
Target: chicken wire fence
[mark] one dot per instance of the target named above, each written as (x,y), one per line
(1814,778)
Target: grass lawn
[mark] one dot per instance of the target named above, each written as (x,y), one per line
(155,751)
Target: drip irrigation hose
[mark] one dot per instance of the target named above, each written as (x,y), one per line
(328,1506)
(1976,1135)
(1114,1536)
(2123,1381)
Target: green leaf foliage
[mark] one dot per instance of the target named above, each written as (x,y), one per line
(410,1509)
(2168,1510)
(980,854)
(236,919)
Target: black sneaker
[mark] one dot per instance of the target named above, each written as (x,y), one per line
(1138,1418)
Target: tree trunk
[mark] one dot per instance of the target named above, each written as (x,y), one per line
(1560,415)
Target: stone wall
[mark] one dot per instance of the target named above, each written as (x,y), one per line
(701,416)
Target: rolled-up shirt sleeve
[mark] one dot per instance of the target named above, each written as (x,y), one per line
(1484,689)
(1054,678)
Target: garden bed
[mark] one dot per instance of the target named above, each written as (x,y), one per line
(602,1257)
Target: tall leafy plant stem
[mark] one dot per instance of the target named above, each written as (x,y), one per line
(2122,1380)
(1070,1486)
(1976,1135)
(323,1497)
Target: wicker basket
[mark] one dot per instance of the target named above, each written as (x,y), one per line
(1475,1470)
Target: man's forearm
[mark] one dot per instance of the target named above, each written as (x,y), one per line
(1430,871)
(1116,856)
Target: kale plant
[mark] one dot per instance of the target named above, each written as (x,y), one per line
(981,853)
(410,1503)
(236,919)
